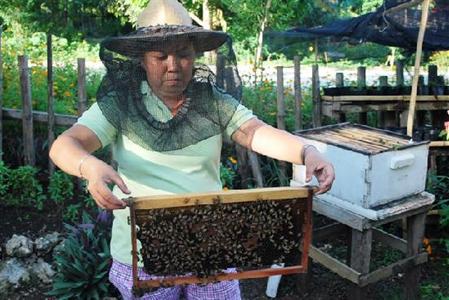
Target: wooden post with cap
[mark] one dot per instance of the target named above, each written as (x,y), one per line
(422,29)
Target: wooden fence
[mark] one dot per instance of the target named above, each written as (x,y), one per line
(248,160)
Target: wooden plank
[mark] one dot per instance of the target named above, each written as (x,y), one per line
(316,98)
(40,116)
(390,240)
(334,265)
(385,98)
(181,280)
(434,144)
(82,93)
(230,196)
(1,94)
(298,93)
(341,215)
(344,107)
(27,116)
(50,101)
(400,266)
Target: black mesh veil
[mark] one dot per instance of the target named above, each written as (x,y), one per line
(205,112)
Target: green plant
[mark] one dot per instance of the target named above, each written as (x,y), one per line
(226,176)
(24,189)
(83,262)
(4,179)
(60,187)
(72,212)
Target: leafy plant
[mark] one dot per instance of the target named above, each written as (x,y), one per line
(226,176)
(72,212)
(24,189)
(60,187)
(4,179)
(84,260)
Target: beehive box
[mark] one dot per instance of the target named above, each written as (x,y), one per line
(372,166)
(204,234)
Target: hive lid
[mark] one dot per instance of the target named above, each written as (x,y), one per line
(359,138)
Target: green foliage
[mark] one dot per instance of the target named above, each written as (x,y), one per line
(60,187)
(228,171)
(83,262)
(21,187)
(261,98)
(440,58)
(438,185)
(4,180)
(72,212)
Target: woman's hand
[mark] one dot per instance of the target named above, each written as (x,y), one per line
(99,175)
(317,165)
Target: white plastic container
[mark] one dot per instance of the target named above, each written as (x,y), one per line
(372,167)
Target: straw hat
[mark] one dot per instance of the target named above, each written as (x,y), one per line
(164,21)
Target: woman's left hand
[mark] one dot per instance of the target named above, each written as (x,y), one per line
(323,170)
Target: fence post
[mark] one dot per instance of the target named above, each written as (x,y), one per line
(1,94)
(27,111)
(361,84)
(298,94)
(281,117)
(220,65)
(50,109)
(82,93)
(399,73)
(339,83)
(316,98)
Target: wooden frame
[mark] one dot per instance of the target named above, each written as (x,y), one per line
(226,197)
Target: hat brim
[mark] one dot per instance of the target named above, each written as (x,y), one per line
(137,43)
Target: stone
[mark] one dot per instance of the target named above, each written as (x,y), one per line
(45,244)
(13,273)
(19,246)
(42,270)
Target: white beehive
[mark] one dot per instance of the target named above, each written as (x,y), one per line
(372,166)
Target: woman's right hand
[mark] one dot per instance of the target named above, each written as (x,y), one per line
(98,175)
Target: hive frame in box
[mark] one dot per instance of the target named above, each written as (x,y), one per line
(233,196)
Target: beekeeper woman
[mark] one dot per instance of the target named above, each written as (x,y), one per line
(166,121)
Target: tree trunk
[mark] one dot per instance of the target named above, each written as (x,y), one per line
(258,58)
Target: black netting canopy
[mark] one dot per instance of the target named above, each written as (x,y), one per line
(395,23)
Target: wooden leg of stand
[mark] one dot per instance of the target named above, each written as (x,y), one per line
(360,260)
(415,234)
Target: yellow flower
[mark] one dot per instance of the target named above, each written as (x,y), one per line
(232,160)
(67,94)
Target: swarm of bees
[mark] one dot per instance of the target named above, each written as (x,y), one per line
(204,240)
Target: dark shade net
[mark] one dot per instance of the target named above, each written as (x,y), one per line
(388,25)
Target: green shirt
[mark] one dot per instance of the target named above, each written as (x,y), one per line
(195,168)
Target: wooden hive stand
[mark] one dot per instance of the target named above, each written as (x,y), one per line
(146,213)
(363,227)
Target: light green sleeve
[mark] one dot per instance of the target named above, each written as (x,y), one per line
(94,119)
